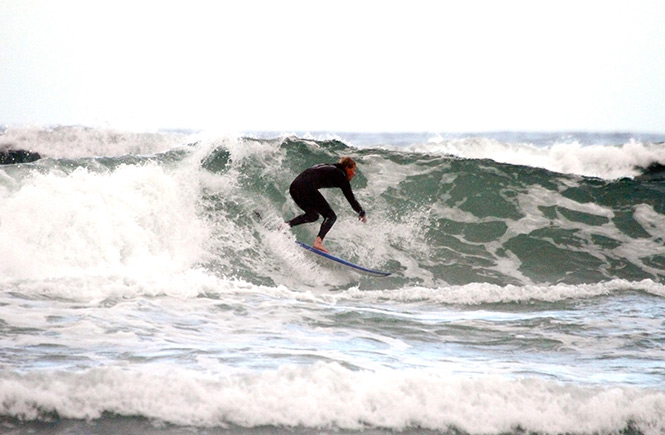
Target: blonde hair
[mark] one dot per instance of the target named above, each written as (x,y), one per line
(347,162)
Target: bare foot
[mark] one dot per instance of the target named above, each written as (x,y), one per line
(318,244)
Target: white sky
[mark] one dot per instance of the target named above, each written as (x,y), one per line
(339,65)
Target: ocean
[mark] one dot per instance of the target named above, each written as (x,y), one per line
(148,284)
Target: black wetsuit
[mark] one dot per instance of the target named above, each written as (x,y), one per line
(305,192)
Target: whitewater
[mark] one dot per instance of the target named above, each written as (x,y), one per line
(148,284)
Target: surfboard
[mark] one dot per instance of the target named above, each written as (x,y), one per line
(344,262)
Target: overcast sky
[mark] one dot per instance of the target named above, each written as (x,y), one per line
(441,66)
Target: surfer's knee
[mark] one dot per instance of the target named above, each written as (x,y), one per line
(331,219)
(327,224)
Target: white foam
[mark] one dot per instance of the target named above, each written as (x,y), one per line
(75,142)
(329,395)
(301,278)
(602,161)
(481,293)
(60,224)
(650,220)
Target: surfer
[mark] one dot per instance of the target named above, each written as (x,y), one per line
(305,192)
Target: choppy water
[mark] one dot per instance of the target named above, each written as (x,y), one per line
(139,289)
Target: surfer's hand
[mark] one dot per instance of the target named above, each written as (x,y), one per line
(362,217)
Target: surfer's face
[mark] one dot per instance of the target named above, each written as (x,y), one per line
(350,173)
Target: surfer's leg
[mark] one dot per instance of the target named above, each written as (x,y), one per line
(317,204)
(314,204)
(309,216)
(305,199)
(329,218)
(328,222)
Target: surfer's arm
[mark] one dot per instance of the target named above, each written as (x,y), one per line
(348,193)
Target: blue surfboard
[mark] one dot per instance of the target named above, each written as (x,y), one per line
(344,262)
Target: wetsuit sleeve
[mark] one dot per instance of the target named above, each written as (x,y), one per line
(348,193)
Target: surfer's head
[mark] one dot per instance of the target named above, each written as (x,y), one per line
(349,166)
